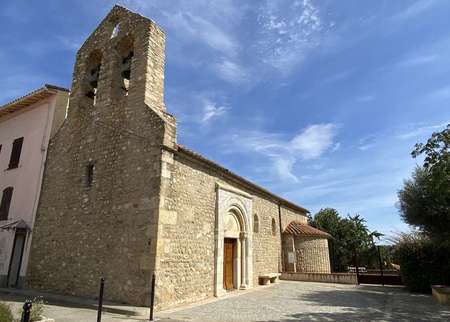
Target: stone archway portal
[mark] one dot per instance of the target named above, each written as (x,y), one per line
(234,264)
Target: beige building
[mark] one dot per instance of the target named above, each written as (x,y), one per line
(26,126)
(121,199)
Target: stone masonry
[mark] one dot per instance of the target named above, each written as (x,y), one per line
(106,227)
(121,199)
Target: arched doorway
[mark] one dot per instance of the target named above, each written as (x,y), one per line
(233,251)
(233,237)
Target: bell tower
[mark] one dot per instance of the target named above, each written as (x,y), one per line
(121,63)
(99,206)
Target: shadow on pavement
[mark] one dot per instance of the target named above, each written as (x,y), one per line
(376,303)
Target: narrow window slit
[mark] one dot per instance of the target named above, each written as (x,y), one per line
(90,174)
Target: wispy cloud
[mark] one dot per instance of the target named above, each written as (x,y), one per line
(211,110)
(414,10)
(288,32)
(421,130)
(417,60)
(366,143)
(200,29)
(232,72)
(310,144)
(313,141)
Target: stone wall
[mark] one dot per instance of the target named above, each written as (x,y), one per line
(312,254)
(340,278)
(289,215)
(186,244)
(107,227)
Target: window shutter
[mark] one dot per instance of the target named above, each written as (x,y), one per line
(15,154)
(6,203)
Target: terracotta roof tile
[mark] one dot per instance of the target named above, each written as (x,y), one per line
(299,229)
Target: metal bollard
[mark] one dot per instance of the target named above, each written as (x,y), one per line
(100,300)
(152,298)
(26,311)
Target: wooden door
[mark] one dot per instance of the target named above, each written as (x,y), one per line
(228,264)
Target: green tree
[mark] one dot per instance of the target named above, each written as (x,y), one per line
(424,200)
(351,237)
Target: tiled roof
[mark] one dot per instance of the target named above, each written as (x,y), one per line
(24,101)
(192,154)
(300,229)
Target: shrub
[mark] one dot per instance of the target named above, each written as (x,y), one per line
(37,309)
(5,313)
(422,262)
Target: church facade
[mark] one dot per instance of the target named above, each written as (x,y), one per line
(121,199)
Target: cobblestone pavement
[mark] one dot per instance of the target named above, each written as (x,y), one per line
(303,301)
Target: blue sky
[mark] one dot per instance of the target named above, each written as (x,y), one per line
(319,101)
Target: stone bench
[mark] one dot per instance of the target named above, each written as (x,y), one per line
(266,279)
(441,293)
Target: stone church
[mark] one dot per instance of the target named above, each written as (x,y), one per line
(122,200)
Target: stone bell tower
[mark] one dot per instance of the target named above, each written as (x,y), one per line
(100,200)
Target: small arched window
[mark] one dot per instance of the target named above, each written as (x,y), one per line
(274,227)
(255,224)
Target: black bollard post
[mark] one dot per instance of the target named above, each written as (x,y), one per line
(26,311)
(152,297)
(100,300)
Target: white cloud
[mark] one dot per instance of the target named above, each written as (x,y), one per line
(421,130)
(231,72)
(212,110)
(314,140)
(284,153)
(283,168)
(366,143)
(200,29)
(288,32)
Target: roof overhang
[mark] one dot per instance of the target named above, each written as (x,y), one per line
(303,230)
(35,96)
(14,225)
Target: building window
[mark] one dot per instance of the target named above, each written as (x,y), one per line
(90,169)
(15,153)
(274,227)
(6,203)
(255,224)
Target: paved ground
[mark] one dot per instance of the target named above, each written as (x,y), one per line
(297,301)
(64,313)
(285,302)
